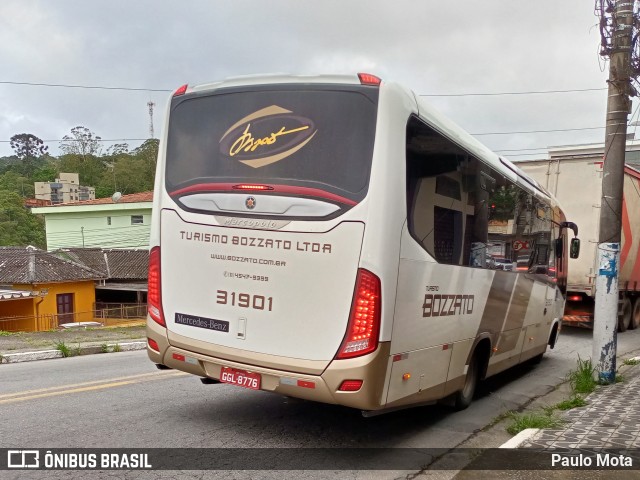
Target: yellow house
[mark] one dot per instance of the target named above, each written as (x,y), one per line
(59,291)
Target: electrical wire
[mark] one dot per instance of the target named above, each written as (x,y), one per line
(496,94)
(134,89)
(89,87)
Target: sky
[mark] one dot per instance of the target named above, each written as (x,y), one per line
(447,50)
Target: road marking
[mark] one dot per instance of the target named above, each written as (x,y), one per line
(65,389)
(84,384)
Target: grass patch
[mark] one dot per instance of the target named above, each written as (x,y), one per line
(573,402)
(522,421)
(76,351)
(581,379)
(631,361)
(4,333)
(620,378)
(64,349)
(104,348)
(116,348)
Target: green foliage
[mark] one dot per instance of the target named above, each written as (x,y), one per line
(573,402)
(522,421)
(17,225)
(582,378)
(82,142)
(631,361)
(117,168)
(4,333)
(64,349)
(116,348)
(28,149)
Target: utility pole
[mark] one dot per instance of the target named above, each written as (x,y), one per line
(618,109)
(150,104)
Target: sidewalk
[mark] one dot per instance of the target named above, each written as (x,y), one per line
(610,421)
(29,346)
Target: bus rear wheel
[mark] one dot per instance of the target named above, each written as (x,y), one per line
(463,398)
(624,319)
(635,314)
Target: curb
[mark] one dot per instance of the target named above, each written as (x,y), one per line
(87,350)
(520,438)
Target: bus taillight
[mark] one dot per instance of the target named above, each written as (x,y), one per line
(250,186)
(181,91)
(364,318)
(369,79)
(154,298)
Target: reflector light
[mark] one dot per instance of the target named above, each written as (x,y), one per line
(368,79)
(153,345)
(181,91)
(406,376)
(177,356)
(246,186)
(306,384)
(364,319)
(154,298)
(574,298)
(350,386)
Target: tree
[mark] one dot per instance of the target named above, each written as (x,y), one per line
(117,149)
(18,227)
(28,148)
(82,141)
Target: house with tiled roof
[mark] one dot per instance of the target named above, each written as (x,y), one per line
(125,272)
(122,221)
(56,290)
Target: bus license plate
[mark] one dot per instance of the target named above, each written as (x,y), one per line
(241,378)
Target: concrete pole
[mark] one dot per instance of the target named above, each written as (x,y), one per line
(618,108)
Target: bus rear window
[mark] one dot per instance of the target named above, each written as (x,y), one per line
(320,138)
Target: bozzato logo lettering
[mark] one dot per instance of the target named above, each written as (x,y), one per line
(23,459)
(266,136)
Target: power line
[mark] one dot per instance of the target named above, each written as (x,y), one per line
(539,131)
(472,94)
(532,92)
(93,140)
(89,87)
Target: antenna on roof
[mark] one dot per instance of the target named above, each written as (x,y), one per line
(116,196)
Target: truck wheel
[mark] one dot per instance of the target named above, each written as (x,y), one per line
(635,315)
(463,398)
(624,319)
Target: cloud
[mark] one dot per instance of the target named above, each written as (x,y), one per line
(432,47)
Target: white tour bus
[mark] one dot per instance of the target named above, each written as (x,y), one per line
(333,238)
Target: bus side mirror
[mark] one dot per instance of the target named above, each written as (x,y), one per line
(574,249)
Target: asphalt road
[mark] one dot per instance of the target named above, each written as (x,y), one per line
(121,401)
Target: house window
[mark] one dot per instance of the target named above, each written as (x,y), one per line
(108,220)
(137,219)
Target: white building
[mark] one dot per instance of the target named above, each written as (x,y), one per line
(100,223)
(65,189)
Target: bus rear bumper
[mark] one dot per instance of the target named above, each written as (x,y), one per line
(325,387)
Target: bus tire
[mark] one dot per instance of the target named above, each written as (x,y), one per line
(463,398)
(624,319)
(635,314)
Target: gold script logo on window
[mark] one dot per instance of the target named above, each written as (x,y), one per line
(266,136)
